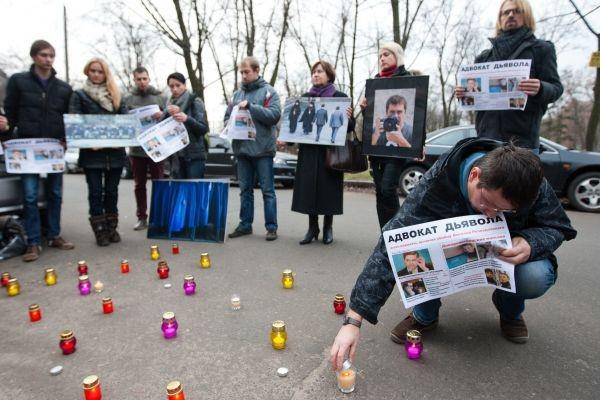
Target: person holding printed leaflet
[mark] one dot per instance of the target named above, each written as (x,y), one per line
(477,176)
(514,39)
(386,170)
(185,107)
(255,157)
(144,94)
(100,95)
(319,190)
(35,104)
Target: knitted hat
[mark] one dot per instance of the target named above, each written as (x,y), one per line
(396,50)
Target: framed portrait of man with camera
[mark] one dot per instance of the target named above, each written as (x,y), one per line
(394,122)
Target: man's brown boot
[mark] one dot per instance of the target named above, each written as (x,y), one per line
(514,330)
(32,253)
(398,334)
(60,243)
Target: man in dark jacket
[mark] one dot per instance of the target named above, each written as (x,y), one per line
(255,157)
(477,176)
(515,40)
(144,94)
(35,103)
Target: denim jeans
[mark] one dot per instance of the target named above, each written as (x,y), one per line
(140,166)
(387,177)
(533,279)
(31,213)
(103,190)
(190,169)
(247,168)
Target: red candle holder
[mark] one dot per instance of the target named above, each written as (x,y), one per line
(175,249)
(35,314)
(107,305)
(162,270)
(82,268)
(91,388)
(124,267)
(68,342)
(175,391)
(339,304)
(5,278)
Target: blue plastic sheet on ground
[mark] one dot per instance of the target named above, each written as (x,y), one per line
(189,209)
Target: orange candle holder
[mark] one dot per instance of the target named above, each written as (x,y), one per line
(91,388)
(174,391)
(124,267)
(35,313)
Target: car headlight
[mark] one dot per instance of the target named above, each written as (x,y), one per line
(278,160)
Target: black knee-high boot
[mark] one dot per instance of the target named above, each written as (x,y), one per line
(313,229)
(328,229)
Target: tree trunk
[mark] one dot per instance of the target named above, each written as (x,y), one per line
(592,128)
(396,19)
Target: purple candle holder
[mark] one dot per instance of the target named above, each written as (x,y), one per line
(85,287)
(413,345)
(169,325)
(189,286)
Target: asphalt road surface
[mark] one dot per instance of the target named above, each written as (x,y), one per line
(225,354)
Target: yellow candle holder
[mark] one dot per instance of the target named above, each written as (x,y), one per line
(13,288)
(204,260)
(278,335)
(50,277)
(287,279)
(154,252)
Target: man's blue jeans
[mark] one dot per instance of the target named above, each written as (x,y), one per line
(247,168)
(31,213)
(533,279)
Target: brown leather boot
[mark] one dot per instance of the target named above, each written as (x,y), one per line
(398,334)
(112,221)
(32,253)
(60,243)
(100,229)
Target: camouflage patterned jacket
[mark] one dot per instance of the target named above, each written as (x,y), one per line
(544,225)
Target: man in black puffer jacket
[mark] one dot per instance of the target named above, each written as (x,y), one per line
(478,176)
(515,40)
(35,103)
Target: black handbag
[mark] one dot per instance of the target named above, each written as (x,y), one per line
(347,158)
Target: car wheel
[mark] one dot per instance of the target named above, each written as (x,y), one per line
(584,192)
(409,179)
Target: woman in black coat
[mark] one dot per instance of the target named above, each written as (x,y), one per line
(319,190)
(102,166)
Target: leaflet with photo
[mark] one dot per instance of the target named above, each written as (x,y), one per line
(144,115)
(100,131)
(163,139)
(239,126)
(34,156)
(439,258)
(315,120)
(493,85)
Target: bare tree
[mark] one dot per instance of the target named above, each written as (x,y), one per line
(591,135)
(403,29)
(189,34)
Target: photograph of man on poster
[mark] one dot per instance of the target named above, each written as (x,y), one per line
(393,129)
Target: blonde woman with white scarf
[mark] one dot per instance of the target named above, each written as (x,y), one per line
(102,166)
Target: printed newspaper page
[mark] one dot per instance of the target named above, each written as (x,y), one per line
(144,114)
(493,85)
(92,130)
(34,156)
(239,126)
(163,139)
(439,258)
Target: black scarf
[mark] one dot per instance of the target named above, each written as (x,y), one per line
(505,44)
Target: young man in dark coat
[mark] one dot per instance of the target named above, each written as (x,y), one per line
(35,103)
(142,95)
(477,176)
(515,40)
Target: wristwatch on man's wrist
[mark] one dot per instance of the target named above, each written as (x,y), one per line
(351,321)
